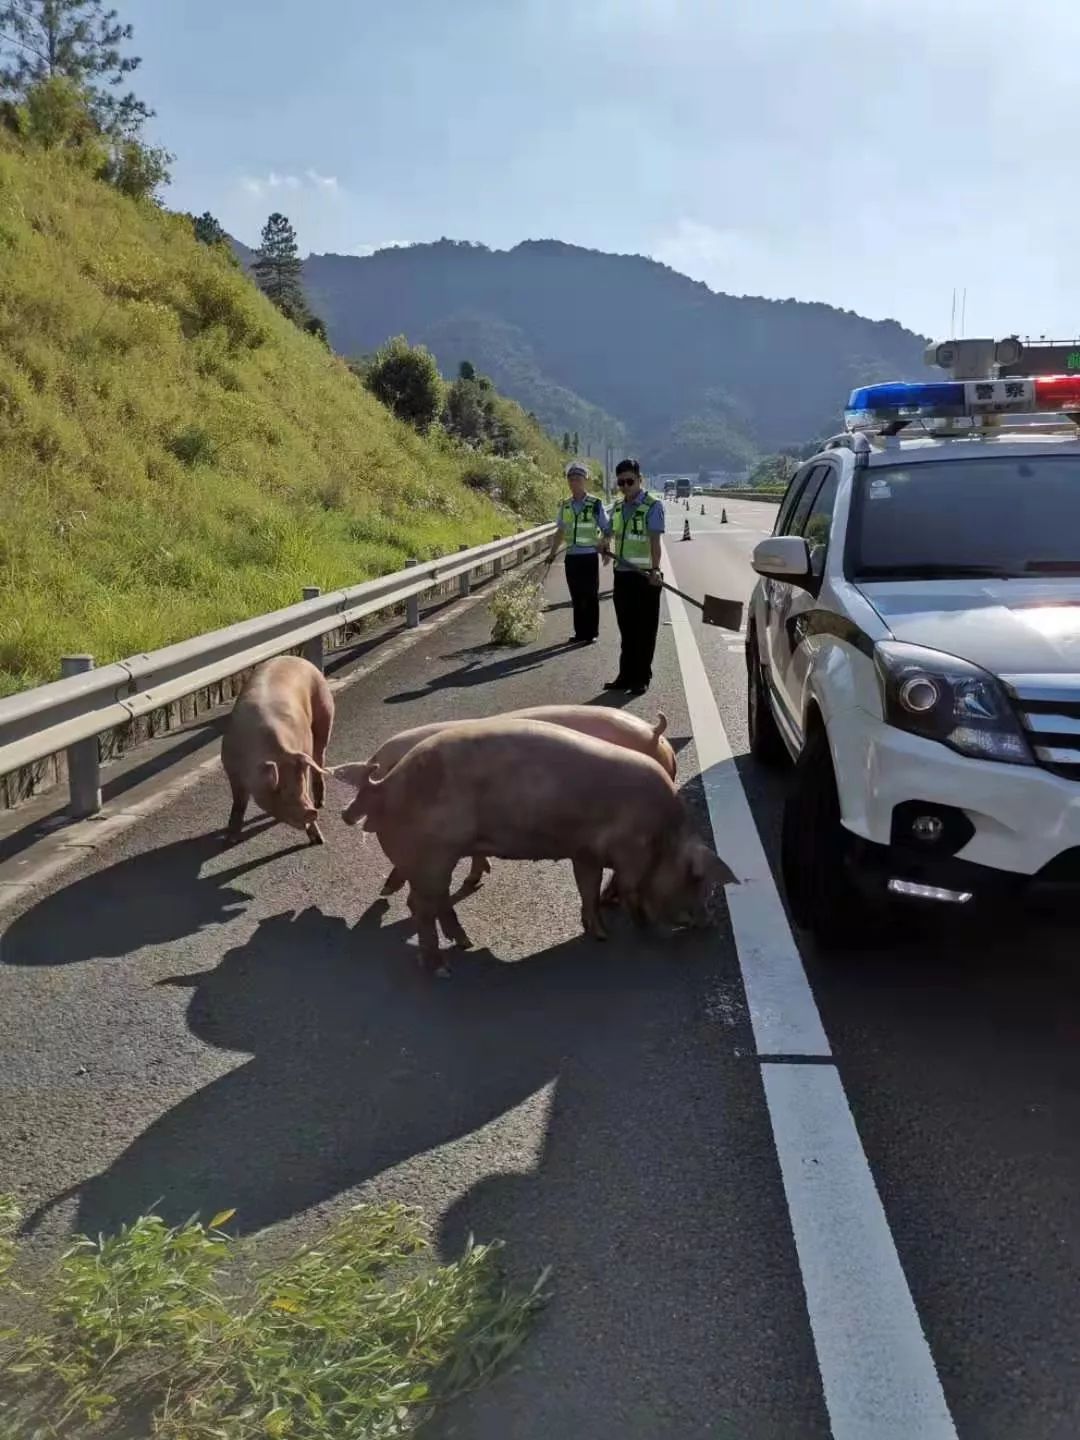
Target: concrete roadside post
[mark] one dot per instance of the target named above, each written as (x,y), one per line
(83,762)
(412,604)
(464,580)
(314,649)
(496,564)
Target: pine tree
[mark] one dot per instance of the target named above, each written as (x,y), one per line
(208,230)
(566,442)
(575,442)
(277,268)
(466,370)
(78,40)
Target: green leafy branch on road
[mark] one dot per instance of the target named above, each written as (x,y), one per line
(359,1335)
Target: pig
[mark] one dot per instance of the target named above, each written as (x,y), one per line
(527,790)
(601,721)
(275,745)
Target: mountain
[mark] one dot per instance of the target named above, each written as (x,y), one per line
(617,347)
(177,455)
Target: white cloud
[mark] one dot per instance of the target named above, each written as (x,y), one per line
(259,185)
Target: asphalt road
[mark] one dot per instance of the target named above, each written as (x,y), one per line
(200,1030)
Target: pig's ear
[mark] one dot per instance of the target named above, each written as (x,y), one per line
(707,866)
(270,773)
(354,774)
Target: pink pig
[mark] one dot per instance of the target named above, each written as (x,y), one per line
(526,790)
(600,721)
(275,745)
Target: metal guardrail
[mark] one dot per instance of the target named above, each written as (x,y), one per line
(70,713)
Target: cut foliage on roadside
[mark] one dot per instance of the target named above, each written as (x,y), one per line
(518,610)
(175,1334)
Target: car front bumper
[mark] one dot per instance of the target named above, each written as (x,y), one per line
(1026,820)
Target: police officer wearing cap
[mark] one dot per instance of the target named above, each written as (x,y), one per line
(634,533)
(580,522)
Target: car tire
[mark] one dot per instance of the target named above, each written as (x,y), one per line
(766,743)
(814,854)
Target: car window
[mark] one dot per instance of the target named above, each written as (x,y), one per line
(818,521)
(791,495)
(798,516)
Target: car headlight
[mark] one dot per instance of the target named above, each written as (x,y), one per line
(948,699)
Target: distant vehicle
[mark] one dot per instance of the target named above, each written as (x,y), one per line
(682,488)
(913,644)
(669,487)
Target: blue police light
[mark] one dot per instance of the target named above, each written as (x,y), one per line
(900,400)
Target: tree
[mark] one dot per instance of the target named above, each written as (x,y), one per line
(466,370)
(277,268)
(406,379)
(576,446)
(208,230)
(78,40)
(316,325)
(566,442)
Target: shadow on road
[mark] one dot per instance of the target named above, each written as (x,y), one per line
(150,899)
(474,672)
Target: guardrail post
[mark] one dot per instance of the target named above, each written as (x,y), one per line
(465,580)
(496,564)
(412,604)
(315,648)
(83,763)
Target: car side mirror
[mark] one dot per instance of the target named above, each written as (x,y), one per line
(785,558)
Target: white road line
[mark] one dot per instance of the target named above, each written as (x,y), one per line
(877,1373)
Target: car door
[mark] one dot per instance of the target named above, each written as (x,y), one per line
(779,595)
(812,519)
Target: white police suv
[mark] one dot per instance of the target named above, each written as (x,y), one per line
(914,644)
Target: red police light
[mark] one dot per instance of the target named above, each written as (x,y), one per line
(1057,392)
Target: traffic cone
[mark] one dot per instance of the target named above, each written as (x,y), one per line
(703,509)
(723,516)
(686,530)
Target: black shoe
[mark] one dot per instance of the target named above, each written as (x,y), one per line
(636,689)
(619,684)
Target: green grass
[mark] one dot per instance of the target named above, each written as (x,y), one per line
(173,1333)
(517,610)
(175,455)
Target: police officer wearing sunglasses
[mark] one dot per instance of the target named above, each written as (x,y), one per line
(633,536)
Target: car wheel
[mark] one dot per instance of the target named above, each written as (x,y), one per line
(766,743)
(814,853)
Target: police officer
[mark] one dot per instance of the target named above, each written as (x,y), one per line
(635,528)
(581,521)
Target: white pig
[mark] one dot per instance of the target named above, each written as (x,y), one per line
(275,745)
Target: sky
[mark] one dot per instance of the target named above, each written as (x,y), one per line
(872,154)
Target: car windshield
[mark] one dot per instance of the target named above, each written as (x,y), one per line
(997,517)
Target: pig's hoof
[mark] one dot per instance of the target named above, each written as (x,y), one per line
(229,840)
(315,835)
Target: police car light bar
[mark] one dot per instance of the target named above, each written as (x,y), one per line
(893,405)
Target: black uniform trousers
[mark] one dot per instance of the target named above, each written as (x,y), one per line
(583,582)
(637,609)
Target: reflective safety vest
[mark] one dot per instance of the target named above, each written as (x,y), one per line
(580,527)
(632,545)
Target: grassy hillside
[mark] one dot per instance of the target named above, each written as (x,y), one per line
(174,455)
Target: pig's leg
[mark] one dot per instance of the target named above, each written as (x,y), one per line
(477,870)
(429,900)
(588,872)
(630,879)
(393,883)
(314,834)
(610,895)
(431,961)
(236,815)
(452,928)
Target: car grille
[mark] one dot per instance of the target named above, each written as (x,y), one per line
(1049,709)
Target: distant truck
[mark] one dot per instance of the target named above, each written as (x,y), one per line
(682,488)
